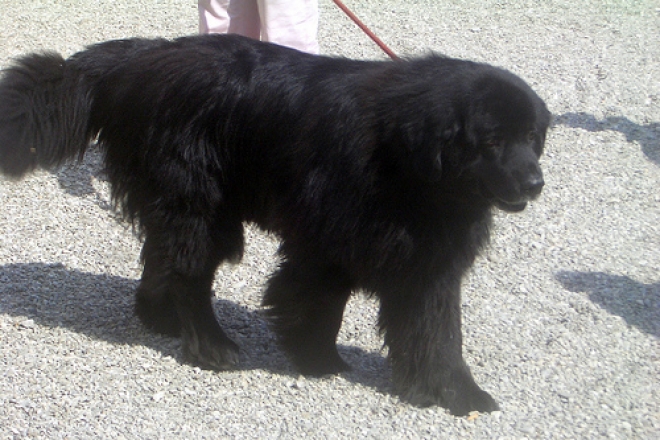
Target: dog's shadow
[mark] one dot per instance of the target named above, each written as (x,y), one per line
(648,136)
(76,178)
(101,307)
(637,303)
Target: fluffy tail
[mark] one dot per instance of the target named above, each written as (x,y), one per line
(44,114)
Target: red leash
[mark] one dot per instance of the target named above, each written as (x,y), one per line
(366,30)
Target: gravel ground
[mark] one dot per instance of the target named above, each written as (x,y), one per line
(562,315)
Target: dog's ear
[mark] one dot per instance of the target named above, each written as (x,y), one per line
(415,122)
(420,142)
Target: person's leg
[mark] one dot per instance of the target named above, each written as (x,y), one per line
(292,23)
(244,18)
(225,16)
(213,16)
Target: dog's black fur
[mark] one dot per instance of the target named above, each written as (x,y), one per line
(375,175)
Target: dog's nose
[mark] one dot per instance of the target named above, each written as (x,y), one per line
(533,186)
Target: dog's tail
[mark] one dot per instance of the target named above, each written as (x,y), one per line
(44,114)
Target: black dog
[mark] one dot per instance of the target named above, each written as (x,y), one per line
(375,175)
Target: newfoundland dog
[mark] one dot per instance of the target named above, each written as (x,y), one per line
(375,175)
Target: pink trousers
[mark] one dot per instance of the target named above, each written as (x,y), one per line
(292,23)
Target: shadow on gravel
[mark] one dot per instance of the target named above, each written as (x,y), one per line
(75,178)
(637,303)
(101,307)
(648,136)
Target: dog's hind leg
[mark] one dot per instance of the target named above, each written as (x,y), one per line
(154,299)
(306,304)
(175,298)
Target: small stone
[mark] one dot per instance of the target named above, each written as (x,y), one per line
(28,323)
(525,427)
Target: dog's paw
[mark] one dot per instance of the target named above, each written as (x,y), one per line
(459,394)
(210,352)
(462,401)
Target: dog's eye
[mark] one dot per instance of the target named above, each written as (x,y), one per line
(531,136)
(495,143)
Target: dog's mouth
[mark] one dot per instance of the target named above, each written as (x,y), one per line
(510,207)
(505,205)
(519,202)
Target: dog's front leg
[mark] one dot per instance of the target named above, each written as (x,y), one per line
(422,328)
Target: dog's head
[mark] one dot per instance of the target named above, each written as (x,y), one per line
(505,131)
(484,125)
